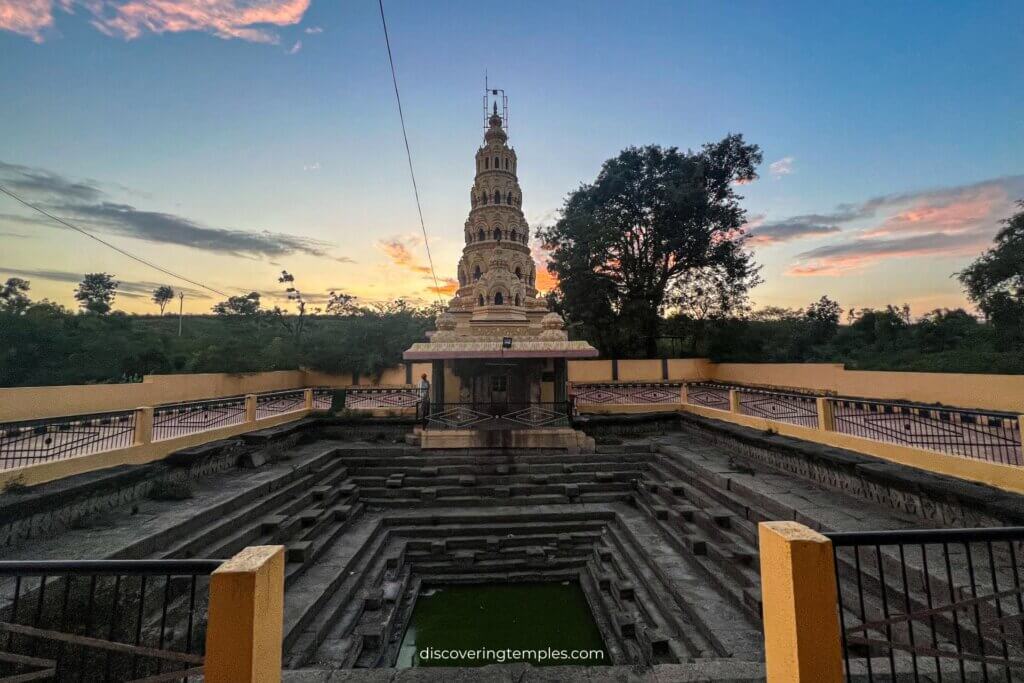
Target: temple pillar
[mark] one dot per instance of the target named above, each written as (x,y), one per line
(561,380)
(437,385)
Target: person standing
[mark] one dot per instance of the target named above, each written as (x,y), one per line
(425,395)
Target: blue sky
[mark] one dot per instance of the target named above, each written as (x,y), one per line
(270,128)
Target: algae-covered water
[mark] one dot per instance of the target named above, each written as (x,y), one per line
(539,623)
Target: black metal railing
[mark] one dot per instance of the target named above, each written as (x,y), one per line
(323,398)
(279,402)
(983,435)
(110,620)
(627,393)
(34,441)
(798,409)
(708,395)
(180,419)
(935,605)
(497,416)
(370,398)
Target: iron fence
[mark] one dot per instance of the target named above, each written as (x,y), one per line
(376,398)
(627,393)
(110,620)
(708,395)
(935,605)
(990,436)
(323,399)
(798,409)
(180,419)
(498,416)
(279,402)
(34,441)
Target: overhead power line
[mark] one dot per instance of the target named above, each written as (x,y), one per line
(107,244)
(408,154)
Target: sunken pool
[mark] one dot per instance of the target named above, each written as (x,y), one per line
(486,623)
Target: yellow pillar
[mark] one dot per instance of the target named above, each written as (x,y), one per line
(799,599)
(246,618)
(682,394)
(308,397)
(250,407)
(826,418)
(144,425)
(734,401)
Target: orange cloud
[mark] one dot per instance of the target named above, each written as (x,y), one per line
(949,222)
(129,19)
(400,255)
(26,17)
(450,286)
(545,281)
(960,214)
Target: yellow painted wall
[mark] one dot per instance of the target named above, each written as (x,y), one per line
(315,378)
(590,371)
(138,454)
(29,403)
(991,392)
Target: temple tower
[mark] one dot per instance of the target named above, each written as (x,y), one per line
(497,350)
(497,275)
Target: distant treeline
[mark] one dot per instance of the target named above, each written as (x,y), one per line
(880,339)
(46,345)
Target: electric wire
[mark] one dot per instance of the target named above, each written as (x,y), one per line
(116,248)
(408,153)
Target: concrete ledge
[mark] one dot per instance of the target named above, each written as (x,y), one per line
(982,500)
(555,438)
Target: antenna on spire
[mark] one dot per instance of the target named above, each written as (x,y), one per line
(492,98)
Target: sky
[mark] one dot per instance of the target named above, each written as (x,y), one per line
(227,140)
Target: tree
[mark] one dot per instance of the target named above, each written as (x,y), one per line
(162,295)
(294,295)
(995,281)
(14,296)
(96,292)
(711,293)
(822,318)
(243,305)
(339,303)
(652,216)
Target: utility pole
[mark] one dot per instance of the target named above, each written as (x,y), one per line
(181,309)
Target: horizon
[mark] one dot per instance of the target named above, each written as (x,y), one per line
(229,145)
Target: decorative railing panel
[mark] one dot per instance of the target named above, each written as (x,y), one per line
(36,441)
(798,409)
(708,395)
(938,604)
(120,620)
(181,419)
(323,399)
(627,393)
(498,416)
(377,398)
(279,403)
(990,436)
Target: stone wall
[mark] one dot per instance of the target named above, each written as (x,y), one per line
(940,500)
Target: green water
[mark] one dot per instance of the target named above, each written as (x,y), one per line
(531,617)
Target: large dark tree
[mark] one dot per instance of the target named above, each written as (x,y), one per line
(651,217)
(96,292)
(995,281)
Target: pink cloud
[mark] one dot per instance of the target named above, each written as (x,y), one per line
(951,222)
(26,17)
(129,19)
